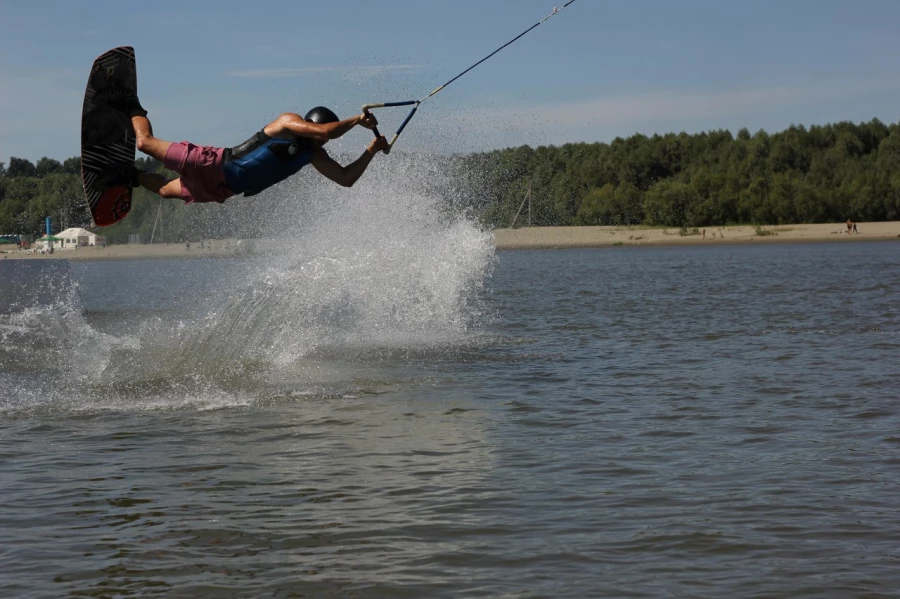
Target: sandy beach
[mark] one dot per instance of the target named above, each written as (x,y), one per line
(217,248)
(575,237)
(507,239)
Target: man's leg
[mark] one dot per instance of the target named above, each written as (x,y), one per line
(144,139)
(167,188)
(156,148)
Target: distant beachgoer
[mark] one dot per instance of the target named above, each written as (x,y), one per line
(849,226)
(704,233)
(854,228)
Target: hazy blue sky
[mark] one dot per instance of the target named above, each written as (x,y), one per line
(214,72)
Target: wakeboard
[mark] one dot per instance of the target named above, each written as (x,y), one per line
(107,136)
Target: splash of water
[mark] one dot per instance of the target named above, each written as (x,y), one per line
(42,327)
(382,265)
(391,264)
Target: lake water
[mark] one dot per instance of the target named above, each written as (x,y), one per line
(435,419)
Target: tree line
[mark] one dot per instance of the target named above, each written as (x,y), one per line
(824,173)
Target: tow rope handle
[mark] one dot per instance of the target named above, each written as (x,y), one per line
(368,107)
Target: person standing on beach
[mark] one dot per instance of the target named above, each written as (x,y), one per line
(279,150)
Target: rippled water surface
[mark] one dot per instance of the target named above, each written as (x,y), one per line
(626,422)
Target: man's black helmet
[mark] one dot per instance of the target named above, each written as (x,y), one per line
(321,115)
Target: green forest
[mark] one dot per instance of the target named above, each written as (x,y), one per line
(824,173)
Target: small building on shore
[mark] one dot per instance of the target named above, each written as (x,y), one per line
(74,238)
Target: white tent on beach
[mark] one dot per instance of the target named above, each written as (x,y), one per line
(71,239)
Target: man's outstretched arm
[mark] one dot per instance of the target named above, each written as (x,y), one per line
(290,124)
(350,174)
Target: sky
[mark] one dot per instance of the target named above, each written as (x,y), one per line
(215,72)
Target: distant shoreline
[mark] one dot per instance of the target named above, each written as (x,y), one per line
(513,239)
(594,237)
(216,248)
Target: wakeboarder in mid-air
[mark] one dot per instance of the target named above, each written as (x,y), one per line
(279,150)
(114,125)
